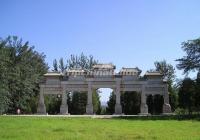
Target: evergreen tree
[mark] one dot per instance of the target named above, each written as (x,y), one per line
(197,93)
(55,65)
(61,65)
(187,94)
(111,104)
(79,101)
(130,103)
(20,73)
(96,102)
(191,61)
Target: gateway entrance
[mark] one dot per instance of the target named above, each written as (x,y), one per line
(103,76)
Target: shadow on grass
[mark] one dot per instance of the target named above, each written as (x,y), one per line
(195,117)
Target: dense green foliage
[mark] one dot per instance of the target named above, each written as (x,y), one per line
(130,103)
(189,95)
(21,69)
(55,128)
(191,61)
(52,104)
(155,104)
(81,62)
(110,109)
(167,70)
(197,93)
(78,103)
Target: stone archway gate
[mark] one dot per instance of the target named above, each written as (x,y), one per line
(103,76)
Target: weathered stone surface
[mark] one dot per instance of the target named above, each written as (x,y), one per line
(64,109)
(89,109)
(143,109)
(166,108)
(118,109)
(41,109)
(103,76)
(41,106)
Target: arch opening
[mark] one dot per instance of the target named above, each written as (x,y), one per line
(107,100)
(130,101)
(155,104)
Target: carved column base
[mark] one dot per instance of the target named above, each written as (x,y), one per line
(89,109)
(144,109)
(118,109)
(41,109)
(64,109)
(166,108)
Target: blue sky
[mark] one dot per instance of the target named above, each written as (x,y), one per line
(128,33)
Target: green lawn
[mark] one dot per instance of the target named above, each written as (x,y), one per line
(59,128)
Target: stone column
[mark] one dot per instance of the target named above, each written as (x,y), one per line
(89,106)
(143,105)
(41,106)
(118,107)
(166,105)
(64,106)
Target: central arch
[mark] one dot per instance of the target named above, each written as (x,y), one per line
(105,95)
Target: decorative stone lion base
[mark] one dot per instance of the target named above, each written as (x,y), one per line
(64,109)
(167,108)
(89,109)
(144,109)
(118,109)
(41,109)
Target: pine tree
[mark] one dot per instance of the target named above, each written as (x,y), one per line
(21,71)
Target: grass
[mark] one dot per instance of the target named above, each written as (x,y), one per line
(61,128)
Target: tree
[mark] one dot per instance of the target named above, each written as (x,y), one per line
(130,103)
(82,61)
(4,61)
(187,94)
(168,72)
(55,65)
(96,101)
(21,71)
(79,101)
(197,92)
(191,61)
(61,65)
(110,109)
(166,69)
(53,103)
(155,103)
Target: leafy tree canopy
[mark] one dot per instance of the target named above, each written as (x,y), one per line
(166,69)
(21,69)
(191,61)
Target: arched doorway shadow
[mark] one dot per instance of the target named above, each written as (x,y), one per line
(155,104)
(130,101)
